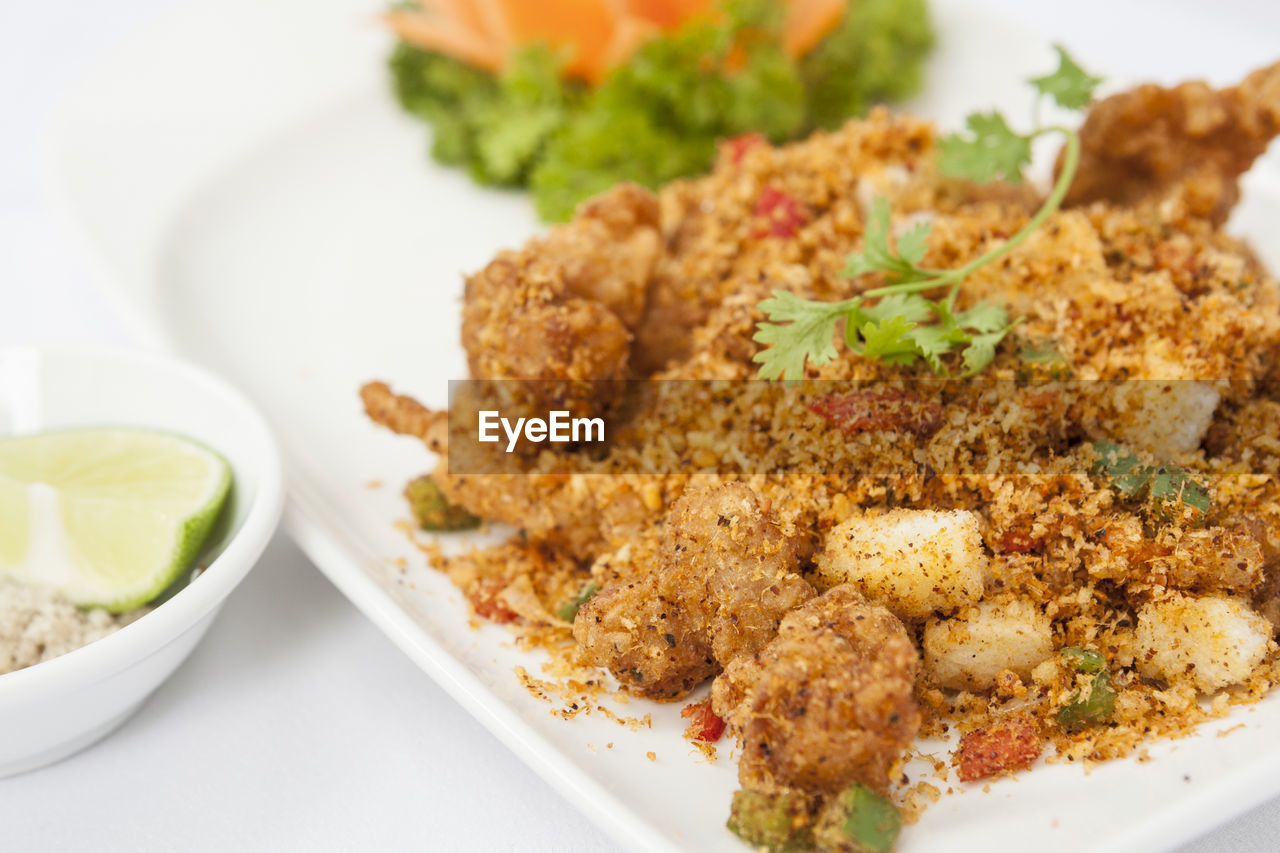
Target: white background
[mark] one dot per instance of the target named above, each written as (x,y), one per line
(295,725)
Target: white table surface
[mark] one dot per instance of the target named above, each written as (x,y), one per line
(295,725)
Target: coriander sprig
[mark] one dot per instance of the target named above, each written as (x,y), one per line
(897,323)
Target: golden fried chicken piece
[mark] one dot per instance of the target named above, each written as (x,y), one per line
(608,252)
(558,309)
(731,567)
(644,639)
(519,325)
(725,579)
(1140,143)
(829,702)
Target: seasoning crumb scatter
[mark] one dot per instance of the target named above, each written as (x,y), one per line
(1024,546)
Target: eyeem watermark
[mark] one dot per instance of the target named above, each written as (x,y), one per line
(829,427)
(559,427)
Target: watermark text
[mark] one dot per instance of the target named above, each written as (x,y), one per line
(559,427)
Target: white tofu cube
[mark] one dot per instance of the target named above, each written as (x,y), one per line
(1212,641)
(968,651)
(914,562)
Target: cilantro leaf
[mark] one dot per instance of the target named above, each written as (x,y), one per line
(889,340)
(993,151)
(979,328)
(1070,86)
(902,325)
(877,256)
(981,351)
(810,327)
(915,242)
(983,317)
(894,330)
(910,306)
(932,343)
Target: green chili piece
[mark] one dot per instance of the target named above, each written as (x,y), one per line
(1080,714)
(432,511)
(857,820)
(569,609)
(776,822)
(1084,660)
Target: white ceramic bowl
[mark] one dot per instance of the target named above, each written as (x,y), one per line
(55,708)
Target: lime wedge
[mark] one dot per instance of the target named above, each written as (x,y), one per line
(108,517)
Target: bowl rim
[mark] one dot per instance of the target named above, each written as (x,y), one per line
(106,656)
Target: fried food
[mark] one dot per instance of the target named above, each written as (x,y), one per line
(730,564)
(559,310)
(1213,559)
(1140,144)
(1210,641)
(405,416)
(983,514)
(609,251)
(972,649)
(647,641)
(915,562)
(727,577)
(829,702)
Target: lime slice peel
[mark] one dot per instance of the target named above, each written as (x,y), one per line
(108,517)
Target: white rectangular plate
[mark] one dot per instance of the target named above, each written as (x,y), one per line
(264,208)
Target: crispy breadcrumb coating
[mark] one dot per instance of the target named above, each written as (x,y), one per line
(1139,144)
(646,640)
(829,702)
(726,577)
(562,311)
(972,510)
(405,415)
(731,565)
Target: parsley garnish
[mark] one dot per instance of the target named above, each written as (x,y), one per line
(1070,86)
(993,151)
(897,323)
